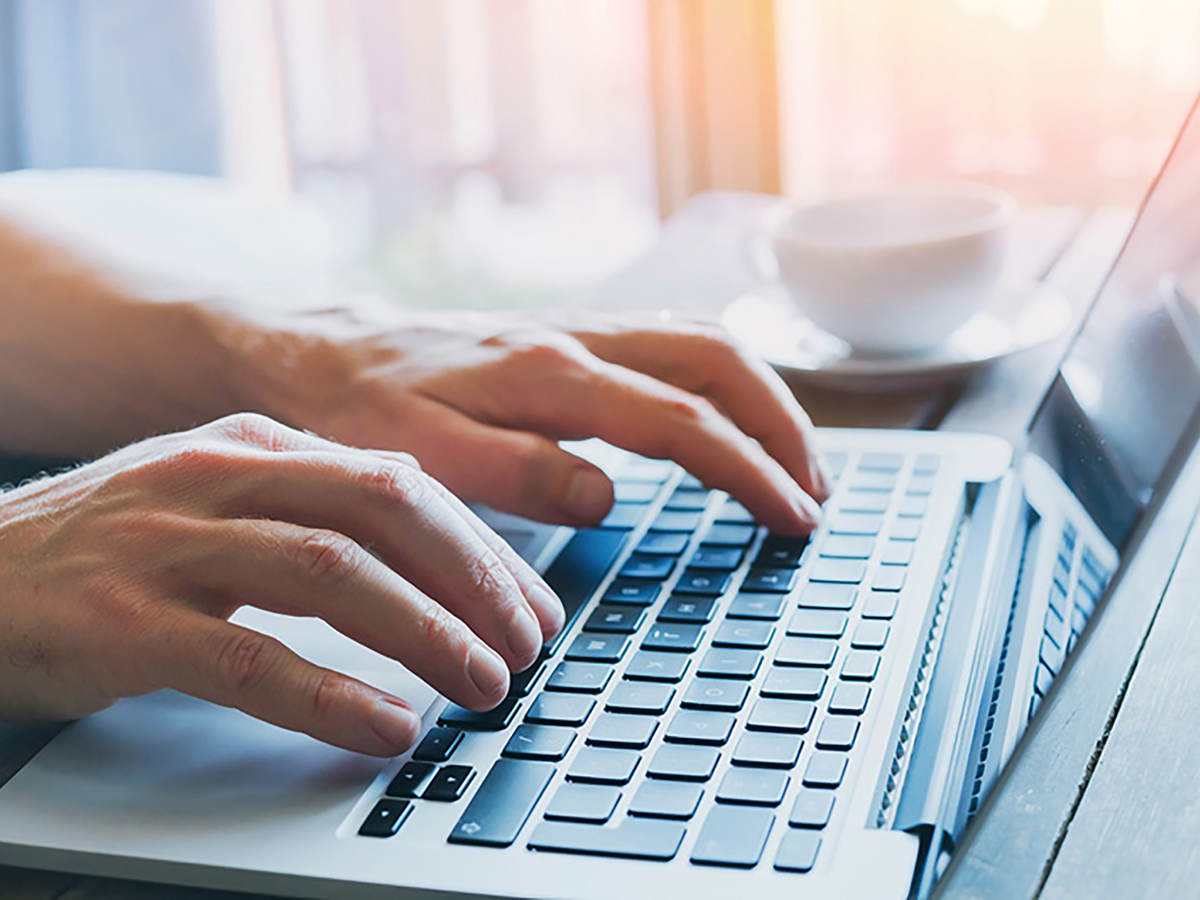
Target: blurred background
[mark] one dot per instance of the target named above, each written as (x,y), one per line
(508,152)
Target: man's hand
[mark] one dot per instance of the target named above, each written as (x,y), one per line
(116,579)
(482,400)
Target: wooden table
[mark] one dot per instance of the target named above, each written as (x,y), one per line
(1102,797)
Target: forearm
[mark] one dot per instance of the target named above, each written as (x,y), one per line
(93,356)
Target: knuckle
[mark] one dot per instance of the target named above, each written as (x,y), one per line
(395,481)
(689,409)
(490,578)
(327,556)
(325,694)
(407,459)
(244,659)
(437,629)
(200,461)
(550,351)
(250,428)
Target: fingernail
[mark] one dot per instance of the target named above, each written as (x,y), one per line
(589,496)
(807,508)
(551,609)
(819,472)
(524,634)
(395,723)
(487,672)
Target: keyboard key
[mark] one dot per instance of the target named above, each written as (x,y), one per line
(781,552)
(920,485)
(749,635)
(493,720)
(580,677)
(616,619)
(704,582)
(633,593)
(889,578)
(1042,679)
(673,638)
(648,665)
(716,694)
(828,596)
(906,529)
(437,745)
(663,543)
(449,784)
(520,684)
(790,716)
(655,839)
(600,648)
(408,781)
(386,818)
(583,803)
(601,765)
(811,809)
(897,553)
(753,787)
(640,698)
(849,698)
(700,727)
(818,623)
(836,462)
(765,749)
(863,524)
(502,803)
(544,742)
(721,663)
(676,521)
(652,470)
(860,665)
(873,481)
(1058,601)
(620,730)
(580,567)
(879,605)
(1052,656)
(825,769)
(769,580)
(560,709)
(913,507)
(733,836)
(722,559)
(733,512)
(926,464)
(793,684)
(722,535)
(684,762)
(838,571)
(625,516)
(654,568)
(848,546)
(806,651)
(666,799)
(870,635)
(767,607)
(864,502)
(881,462)
(837,733)
(688,500)
(634,491)
(798,851)
(696,610)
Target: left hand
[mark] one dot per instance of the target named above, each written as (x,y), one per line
(481,400)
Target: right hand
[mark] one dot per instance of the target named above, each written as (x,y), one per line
(116,579)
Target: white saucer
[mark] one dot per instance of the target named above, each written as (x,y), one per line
(1017,319)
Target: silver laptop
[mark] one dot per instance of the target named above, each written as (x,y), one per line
(728,711)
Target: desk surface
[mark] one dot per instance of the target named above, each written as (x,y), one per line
(1102,798)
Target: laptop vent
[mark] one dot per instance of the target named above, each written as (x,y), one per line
(989,724)
(916,697)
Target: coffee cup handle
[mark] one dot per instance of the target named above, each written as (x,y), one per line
(758,257)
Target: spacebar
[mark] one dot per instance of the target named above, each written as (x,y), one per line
(502,804)
(578,570)
(634,838)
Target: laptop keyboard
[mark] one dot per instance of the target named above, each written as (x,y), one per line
(1079,580)
(719,662)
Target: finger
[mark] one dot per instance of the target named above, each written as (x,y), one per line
(233,666)
(296,570)
(705,361)
(394,510)
(650,417)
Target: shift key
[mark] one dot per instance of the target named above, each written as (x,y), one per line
(503,802)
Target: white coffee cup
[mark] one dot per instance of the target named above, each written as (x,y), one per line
(892,271)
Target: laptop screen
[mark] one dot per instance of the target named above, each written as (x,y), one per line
(1123,401)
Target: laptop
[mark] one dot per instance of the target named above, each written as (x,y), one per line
(728,711)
